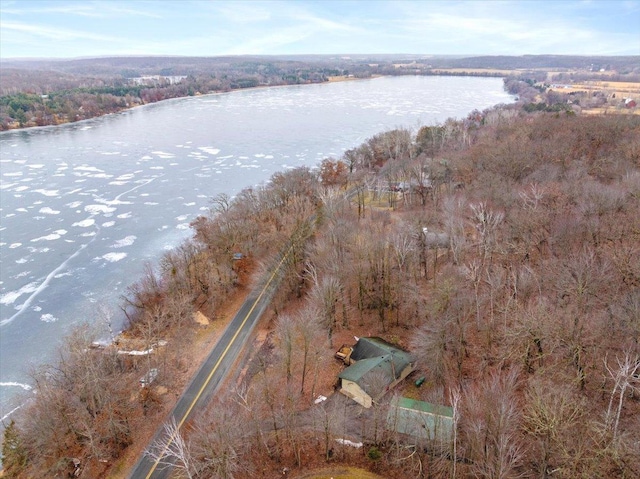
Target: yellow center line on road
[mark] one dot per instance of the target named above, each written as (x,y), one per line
(215,368)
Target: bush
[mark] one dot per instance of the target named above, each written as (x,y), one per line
(374,453)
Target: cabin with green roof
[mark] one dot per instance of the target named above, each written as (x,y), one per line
(376,366)
(420,420)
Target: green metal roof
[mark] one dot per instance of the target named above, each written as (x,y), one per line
(420,420)
(359,369)
(372,355)
(423,406)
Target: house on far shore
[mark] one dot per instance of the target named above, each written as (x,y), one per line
(421,421)
(375,367)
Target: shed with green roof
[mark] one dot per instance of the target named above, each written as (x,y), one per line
(420,420)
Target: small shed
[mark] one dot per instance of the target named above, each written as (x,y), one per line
(376,367)
(420,420)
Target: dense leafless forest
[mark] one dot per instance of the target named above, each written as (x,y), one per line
(501,250)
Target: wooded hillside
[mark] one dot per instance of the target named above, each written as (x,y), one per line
(502,251)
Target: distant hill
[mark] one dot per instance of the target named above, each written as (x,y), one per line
(173,65)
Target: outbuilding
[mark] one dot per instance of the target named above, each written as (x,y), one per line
(420,420)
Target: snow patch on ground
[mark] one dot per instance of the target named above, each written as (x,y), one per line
(346,442)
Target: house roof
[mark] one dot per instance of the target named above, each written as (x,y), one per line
(372,347)
(359,369)
(375,355)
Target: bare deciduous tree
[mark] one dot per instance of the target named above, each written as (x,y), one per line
(218,441)
(551,415)
(173,451)
(491,422)
(626,376)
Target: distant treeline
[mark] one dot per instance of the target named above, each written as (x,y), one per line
(47,92)
(50,101)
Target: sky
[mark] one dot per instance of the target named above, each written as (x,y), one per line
(90,28)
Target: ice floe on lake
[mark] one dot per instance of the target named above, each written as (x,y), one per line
(114,257)
(127,241)
(84,223)
(26,387)
(49,211)
(47,192)
(162,154)
(50,237)
(209,149)
(98,209)
(126,176)
(48,318)
(11,296)
(91,169)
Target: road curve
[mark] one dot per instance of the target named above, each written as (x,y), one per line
(213,370)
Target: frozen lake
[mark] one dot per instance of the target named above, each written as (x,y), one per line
(83,206)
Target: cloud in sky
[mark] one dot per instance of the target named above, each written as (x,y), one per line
(68,28)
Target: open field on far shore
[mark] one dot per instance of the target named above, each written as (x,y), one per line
(475,71)
(341,78)
(505,72)
(625,89)
(610,88)
(611,111)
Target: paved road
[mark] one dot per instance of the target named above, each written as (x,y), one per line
(214,369)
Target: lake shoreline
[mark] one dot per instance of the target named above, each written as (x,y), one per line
(134,183)
(130,108)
